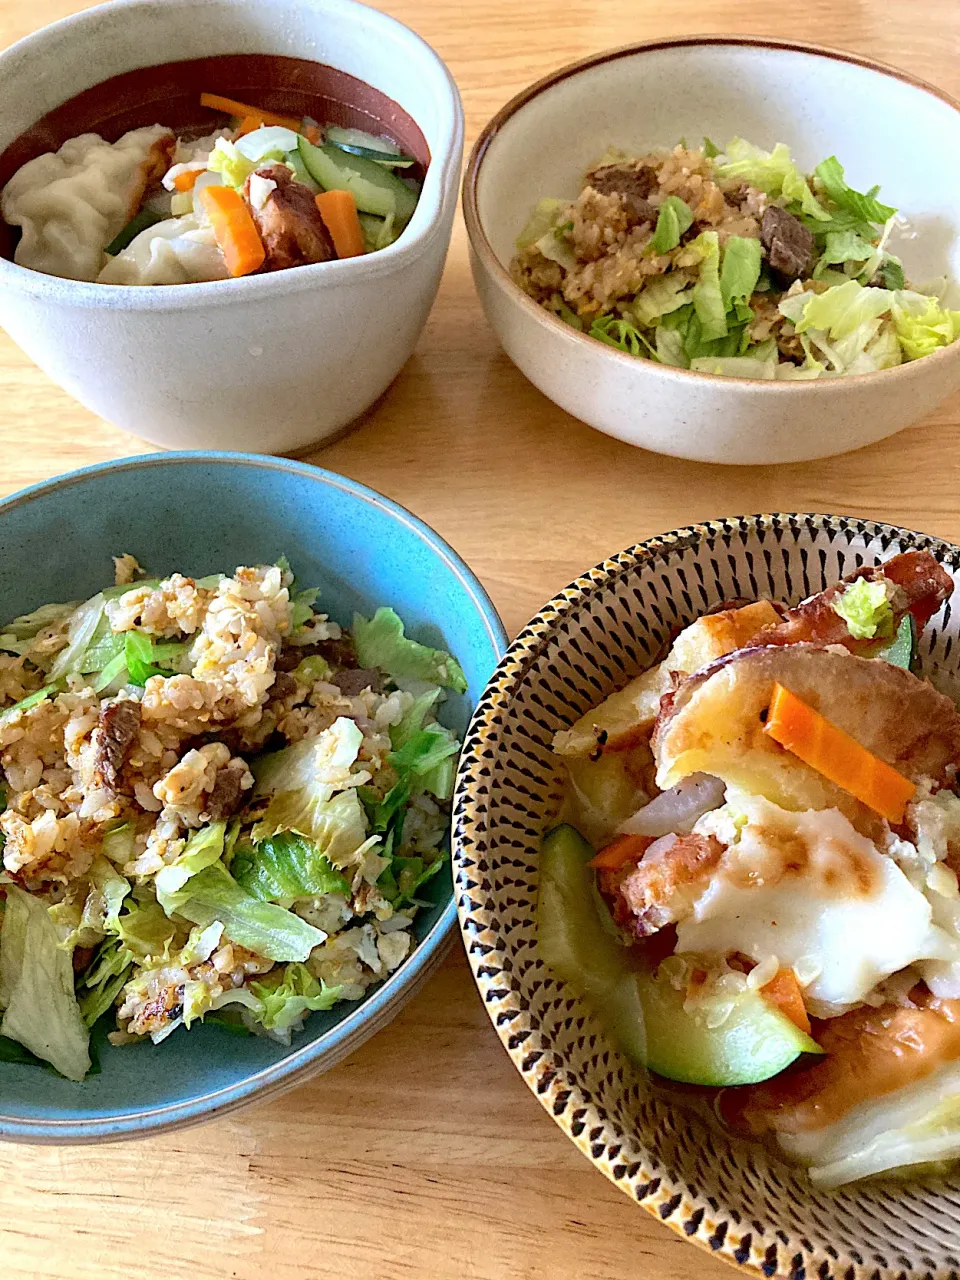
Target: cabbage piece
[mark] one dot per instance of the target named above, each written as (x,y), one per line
(283,1004)
(543,219)
(380,642)
(267,930)
(673,219)
(865,609)
(233,166)
(269,142)
(741,269)
(36,987)
(661,295)
(707,298)
(922,324)
(201,850)
(830,175)
(286,867)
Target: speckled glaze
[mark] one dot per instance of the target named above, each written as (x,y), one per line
(890,131)
(270,362)
(731,1197)
(200,513)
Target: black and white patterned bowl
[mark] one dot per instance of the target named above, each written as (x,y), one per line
(734,1198)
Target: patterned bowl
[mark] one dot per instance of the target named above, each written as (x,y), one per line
(735,1198)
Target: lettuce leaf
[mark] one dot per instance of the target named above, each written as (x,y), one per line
(87,918)
(36,987)
(844,246)
(401,880)
(674,218)
(31,700)
(661,295)
(922,324)
(286,867)
(19,635)
(269,142)
(427,759)
(771,171)
(843,308)
(620,333)
(83,626)
(232,165)
(285,1003)
(707,298)
(543,219)
(203,849)
(104,980)
(736,366)
(865,207)
(380,642)
(144,928)
(741,269)
(262,927)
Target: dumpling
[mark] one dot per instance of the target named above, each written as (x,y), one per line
(71,203)
(176,251)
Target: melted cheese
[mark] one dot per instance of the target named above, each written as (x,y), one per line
(811,891)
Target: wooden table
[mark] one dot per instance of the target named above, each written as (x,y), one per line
(423,1155)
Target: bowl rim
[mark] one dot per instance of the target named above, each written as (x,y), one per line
(372,1014)
(422,229)
(553,325)
(597,1136)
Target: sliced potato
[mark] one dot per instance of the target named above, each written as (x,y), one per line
(715,725)
(627,717)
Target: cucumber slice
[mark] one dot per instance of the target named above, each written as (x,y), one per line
(902,649)
(359,143)
(145,218)
(643,1012)
(375,189)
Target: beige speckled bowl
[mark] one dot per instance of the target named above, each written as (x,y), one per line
(883,124)
(732,1197)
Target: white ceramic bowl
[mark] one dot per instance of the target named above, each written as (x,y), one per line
(883,125)
(268,363)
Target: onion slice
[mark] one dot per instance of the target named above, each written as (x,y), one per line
(678,809)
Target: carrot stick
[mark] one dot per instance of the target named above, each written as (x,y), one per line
(783,990)
(824,747)
(619,851)
(234,228)
(216,102)
(339,211)
(187,180)
(312,134)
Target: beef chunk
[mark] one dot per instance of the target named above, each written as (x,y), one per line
(633,185)
(789,244)
(355,680)
(290,225)
(224,799)
(117,727)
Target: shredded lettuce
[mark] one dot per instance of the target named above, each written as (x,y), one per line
(312,669)
(104,980)
(92,913)
(771,171)
(922,324)
(865,609)
(19,635)
(380,642)
(401,880)
(843,246)
(80,632)
(661,295)
(740,271)
(543,219)
(284,1003)
(620,333)
(36,987)
(674,218)
(144,927)
(829,173)
(843,308)
(427,758)
(203,849)
(31,700)
(285,868)
(707,298)
(735,366)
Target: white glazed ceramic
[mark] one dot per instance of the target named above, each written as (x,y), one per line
(883,125)
(268,363)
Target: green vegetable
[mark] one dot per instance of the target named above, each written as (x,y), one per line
(735,366)
(844,308)
(891,272)
(378,233)
(674,218)
(661,295)
(312,669)
(922,325)
(380,642)
(269,142)
(707,298)
(19,635)
(843,246)
(140,222)
(213,895)
(202,850)
(104,980)
(138,657)
(865,609)
(375,189)
(771,171)
(358,143)
(36,987)
(94,913)
(284,868)
(232,165)
(740,271)
(401,880)
(31,700)
(144,928)
(865,207)
(80,632)
(543,219)
(284,1003)
(620,333)
(902,650)
(710,149)
(644,1011)
(568,316)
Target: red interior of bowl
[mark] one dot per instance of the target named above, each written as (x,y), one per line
(170,95)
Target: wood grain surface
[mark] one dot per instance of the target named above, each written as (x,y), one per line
(423,1155)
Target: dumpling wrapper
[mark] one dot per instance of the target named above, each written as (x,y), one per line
(175,251)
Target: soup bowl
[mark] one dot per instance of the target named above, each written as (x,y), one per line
(734,1197)
(56,541)
(891,131)
(270,362)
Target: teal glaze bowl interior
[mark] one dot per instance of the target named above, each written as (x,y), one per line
(199,513)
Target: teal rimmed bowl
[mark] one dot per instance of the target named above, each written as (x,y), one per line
(197,513)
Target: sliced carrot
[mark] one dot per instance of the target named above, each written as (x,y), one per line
(312,133)
(339,211)
(216,102)
(186,180)
(832,752)
(783,990)
(234,228)
(619,851)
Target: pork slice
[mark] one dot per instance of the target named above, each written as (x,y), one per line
(291,228)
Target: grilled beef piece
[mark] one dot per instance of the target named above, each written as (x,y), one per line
(118,726)
(633,185)
(789,244)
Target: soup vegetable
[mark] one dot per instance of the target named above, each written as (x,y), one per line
(733,263)
(267,193)
(755,879)
(215,803)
